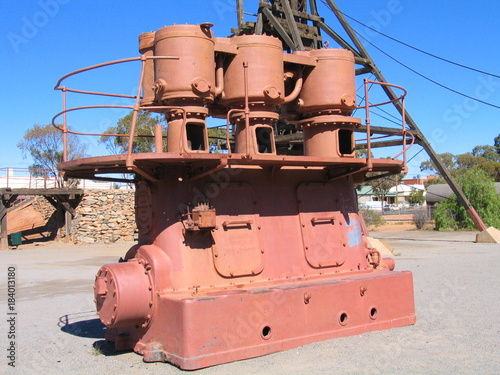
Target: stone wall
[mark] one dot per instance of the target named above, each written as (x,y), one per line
(105,216)
(102,216)
(45,208)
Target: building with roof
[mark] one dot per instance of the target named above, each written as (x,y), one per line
(439,192)
(400,194)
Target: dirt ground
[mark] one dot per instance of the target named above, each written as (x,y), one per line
(456,287)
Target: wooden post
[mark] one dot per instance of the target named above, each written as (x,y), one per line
(59,216)
(240,12)
(69,213)
(68,222)
(4,242)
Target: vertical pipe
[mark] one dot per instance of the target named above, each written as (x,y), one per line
(247,108)
(158,138)
(65,128)
(129,160)
(227,132)
(183,136)
(228,121)
(404,130)
(368,134)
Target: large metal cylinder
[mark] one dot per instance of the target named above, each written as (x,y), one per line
(192,76)
(329,135)
(146,48)
(330,87)
(264,56)
(122,294)
(190,136)
(258,136)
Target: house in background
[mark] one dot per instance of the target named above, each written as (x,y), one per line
(399,195)
(367,199)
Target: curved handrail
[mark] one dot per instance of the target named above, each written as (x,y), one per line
(114,62)
(367,107)
(401,97)
(84,107)
(243,111)
(58,84)
(98,93)
(136,108)
(108,106)
(406,147)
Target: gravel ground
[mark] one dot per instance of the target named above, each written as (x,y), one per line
(456,293)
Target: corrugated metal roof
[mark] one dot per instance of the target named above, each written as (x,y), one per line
(439,192)
(365,190)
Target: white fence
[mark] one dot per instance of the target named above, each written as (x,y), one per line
(26,178)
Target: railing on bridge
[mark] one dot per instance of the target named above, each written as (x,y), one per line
(42,178)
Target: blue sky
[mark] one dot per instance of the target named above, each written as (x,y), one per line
(43,40)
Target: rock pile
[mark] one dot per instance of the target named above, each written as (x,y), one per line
(102,216)
(105,216)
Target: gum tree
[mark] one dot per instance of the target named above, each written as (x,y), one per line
(44,143)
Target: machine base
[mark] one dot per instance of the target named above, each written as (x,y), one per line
(225,326)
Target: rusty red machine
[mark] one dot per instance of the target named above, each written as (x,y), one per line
(258,248)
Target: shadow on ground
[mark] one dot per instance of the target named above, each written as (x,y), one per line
(79,325)
(106,348)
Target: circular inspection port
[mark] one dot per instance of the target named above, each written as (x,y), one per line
(373,313)
(343,318)
(266,332)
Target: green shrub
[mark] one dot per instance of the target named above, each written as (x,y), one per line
(372,217)
(416,197)
(420,218)
(480,190)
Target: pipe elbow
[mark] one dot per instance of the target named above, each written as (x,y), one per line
(219,75)
(296,90)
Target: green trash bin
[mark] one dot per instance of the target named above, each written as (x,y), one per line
(16,239)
